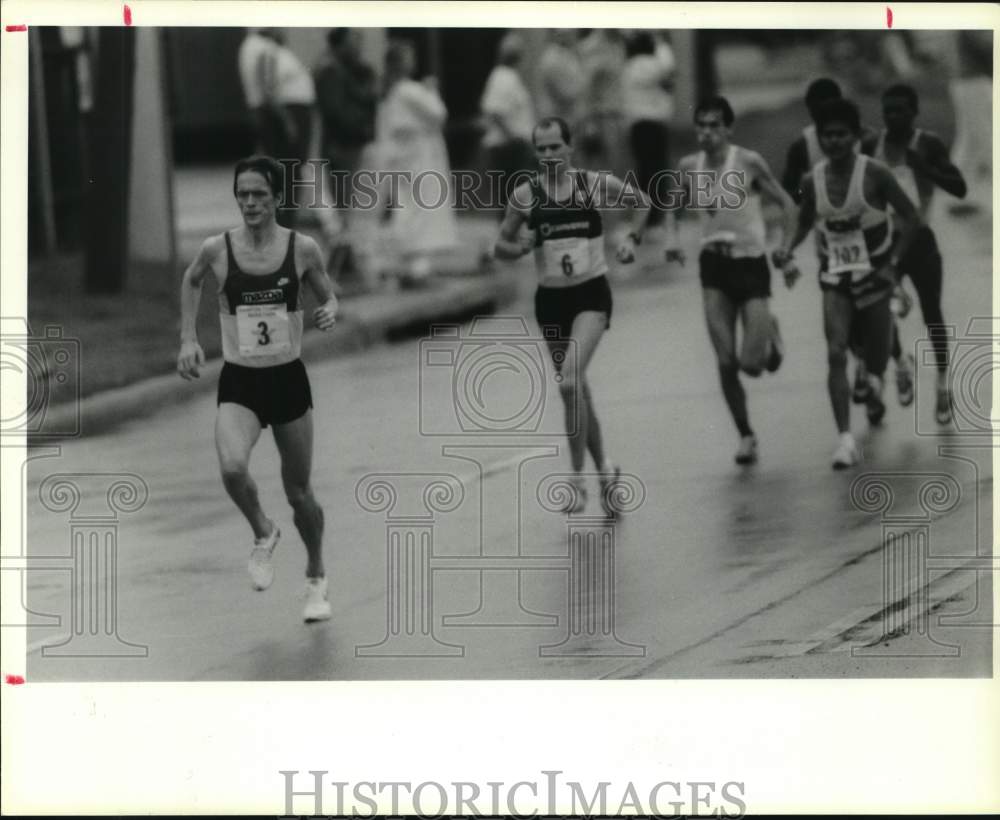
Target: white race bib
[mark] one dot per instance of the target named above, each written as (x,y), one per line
(262,330)
(847,251)
(569,256)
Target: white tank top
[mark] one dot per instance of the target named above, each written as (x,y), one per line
(742,228)
(854,234)
(904,174)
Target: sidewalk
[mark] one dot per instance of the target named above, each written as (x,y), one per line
(127,343)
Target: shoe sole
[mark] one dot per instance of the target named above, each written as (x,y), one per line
(312,619)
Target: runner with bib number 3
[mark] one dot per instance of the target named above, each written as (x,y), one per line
(259,269)
(561,207)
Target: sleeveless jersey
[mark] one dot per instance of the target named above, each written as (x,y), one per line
(569,236)
(261,314)
(742,228)
(853,236)
(904,174)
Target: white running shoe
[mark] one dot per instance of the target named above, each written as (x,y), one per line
(261,568)
(846,455)
(746,453)
(317,607)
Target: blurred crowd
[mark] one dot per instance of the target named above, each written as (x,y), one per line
(613,87)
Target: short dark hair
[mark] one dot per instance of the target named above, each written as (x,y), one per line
(717,103)
(821,90)
(839,110)
(641,42)
(548,122)
(267,167)
(907,92)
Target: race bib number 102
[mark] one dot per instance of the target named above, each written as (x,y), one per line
(263,330)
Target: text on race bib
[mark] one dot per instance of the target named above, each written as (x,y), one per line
(569,256)
(262,330)
(847,251)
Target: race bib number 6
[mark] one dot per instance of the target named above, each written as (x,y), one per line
(263,330)
(569,256)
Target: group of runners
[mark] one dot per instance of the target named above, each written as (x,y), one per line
(863,194)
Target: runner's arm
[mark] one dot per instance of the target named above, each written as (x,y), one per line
(807,216)
(770,189)
(678,197)
(938,167)
(511,244)
(191,357)
(615,193)
(314,274)
(905,211)
(796,167)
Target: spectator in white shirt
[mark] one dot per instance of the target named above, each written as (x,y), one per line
(648,108)
(561,78)
(507,108)
(280,94)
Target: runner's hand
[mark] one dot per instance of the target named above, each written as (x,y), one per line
(675,255)
(791,273)
(626,251)
(325,316)
(527,242)
(189,360)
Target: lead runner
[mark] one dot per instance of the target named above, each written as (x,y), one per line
(259,268)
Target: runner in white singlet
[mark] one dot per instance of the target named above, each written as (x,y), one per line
(846,199)
(723,183)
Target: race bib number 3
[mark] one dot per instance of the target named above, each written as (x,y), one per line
(263,330)
(569,257)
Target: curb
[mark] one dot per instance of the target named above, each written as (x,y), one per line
(393,319)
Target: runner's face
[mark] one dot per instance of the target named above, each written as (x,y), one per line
(253,195)
(550,149)
(898,114)
(837,139)
(710,130)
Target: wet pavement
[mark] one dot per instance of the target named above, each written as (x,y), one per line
(446,554)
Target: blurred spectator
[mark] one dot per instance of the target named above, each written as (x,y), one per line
(510,116)
(279,91)
(602,52)
(647,85)
(409,127)
(560,78)
(971,89)
(346,96)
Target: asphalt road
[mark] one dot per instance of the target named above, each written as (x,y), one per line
(445,561)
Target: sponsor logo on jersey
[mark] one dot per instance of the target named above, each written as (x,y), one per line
(260,297)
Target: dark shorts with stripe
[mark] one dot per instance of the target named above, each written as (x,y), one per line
(277,395)
(740,278)
(556,308)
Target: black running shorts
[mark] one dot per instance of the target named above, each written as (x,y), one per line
(740,278)
(556,308)
(277,395)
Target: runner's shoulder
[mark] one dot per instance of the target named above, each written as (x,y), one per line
(212,249)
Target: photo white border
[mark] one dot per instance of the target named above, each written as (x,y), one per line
(829,745)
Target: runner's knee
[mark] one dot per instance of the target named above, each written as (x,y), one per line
(298,494)
(234,470)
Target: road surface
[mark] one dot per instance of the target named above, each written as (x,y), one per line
(444,562)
